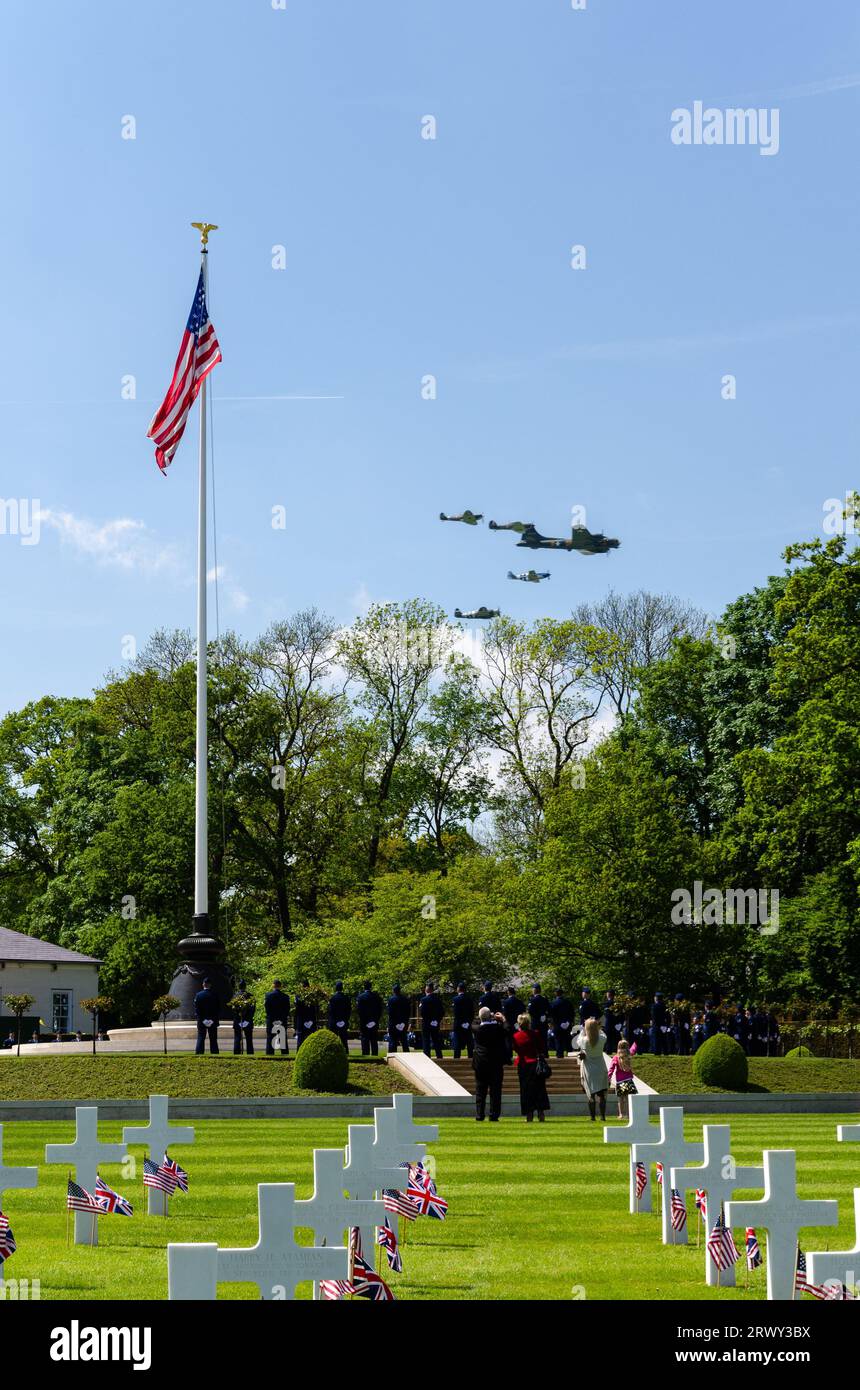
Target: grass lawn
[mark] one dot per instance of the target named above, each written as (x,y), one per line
(667,1074)
(534,1210)
(134,1077)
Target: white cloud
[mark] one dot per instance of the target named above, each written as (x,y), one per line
(120,544)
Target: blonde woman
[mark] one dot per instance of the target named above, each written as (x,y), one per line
(592,1065)
(621,1072)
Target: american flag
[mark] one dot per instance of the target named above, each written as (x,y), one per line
(386,1236)
(8,1245)
(753,1249)
(721,1245)
(641,1177)
(78,1199)
(834,1291)
(111,1201)
(335,1288)
(679,1211)
(174,1174)
(155,1176)
(801,1283)
(659,1175)
(399,1203)
(198,354)
(428,1203)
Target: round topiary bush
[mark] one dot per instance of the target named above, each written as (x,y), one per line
(799,1052)
(321,1063)
(721,1062)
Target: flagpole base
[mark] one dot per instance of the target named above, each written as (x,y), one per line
(201,957)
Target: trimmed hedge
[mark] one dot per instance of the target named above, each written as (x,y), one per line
(800,1052)
(722,1062)
(322,1063)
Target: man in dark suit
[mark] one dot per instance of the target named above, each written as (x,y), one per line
(207,1011)
(430,1010)
(399,1013)
(277,1006)
(339,1010)
(561,1010)
(243,1020)
(491,1051)
(369,1008)
(463,1011)
(588,1007)
(490,999)
(512,1007)
(305,1014)
(539,1012)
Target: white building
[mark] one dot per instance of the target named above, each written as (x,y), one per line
(57,979)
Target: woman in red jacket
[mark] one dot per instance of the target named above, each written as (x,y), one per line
(529,1046)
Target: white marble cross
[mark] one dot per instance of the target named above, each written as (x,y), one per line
(782,1214)
(719,1175)
(329,1212)
(673,1151)
(407,1130)
(638,1129)
(86,1155)
(368,1168)
(158,1136)
(14,1177)
(823,1266)
(275,1264)
(848,1134)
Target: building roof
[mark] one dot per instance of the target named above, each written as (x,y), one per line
(17,946)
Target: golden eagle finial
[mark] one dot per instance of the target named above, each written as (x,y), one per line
(204,228)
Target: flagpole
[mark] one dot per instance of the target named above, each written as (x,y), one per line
(201,791)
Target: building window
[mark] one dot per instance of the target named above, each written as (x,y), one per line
(62,1010)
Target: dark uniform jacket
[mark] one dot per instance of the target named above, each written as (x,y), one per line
(339,1009)
(538,1010)
(659,1015)
(431,1008)
(561,1011)
(512,1007)
(277,1005)
(490,999)
(245,1012)
(206,1005)
(369,1006)
(588,1008)
(462,1009)
(399,1010)
(306,1012)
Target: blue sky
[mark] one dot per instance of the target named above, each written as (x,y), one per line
(406,257)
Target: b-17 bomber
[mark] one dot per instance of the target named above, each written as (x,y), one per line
(469,518)
(530,576)
(481,612)
(581,539)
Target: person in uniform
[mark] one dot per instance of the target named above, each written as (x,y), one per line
(538,1008)
(759,1025)
(772,1035)
(430,1010)
(339,1010)
(710,1020)
(561,1010)
(697,1032)
(488,1061)
(659,1027)
(463,1011)
(490,999)
(305,1014)
(681,1026)
(612,1021)
(512,1007)
(369,1007)
(738,1028)
(399,1012)
(588,1007)
(277,1007)
(207,1012)
(243,1021)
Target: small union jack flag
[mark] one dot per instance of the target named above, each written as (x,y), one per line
(78,1199)
(386,1236)
(679,1211)
(419,1175)
(366,1283)
(641,1178)
(753,1249)
(8,1244)
(399,1203)
(174,1174)
(701,1201)
(721,1245)
(428,1203)
(110,1201)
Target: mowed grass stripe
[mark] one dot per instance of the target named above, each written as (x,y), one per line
(536,1211)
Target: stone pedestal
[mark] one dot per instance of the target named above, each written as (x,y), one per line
(201,957)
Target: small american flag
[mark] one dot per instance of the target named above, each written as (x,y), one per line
(154,1176)
(110,1201)
(399,1203)
(753,1249)
(78,1199)
(834,1291)
(198,354)
(801,1283)
(8,1245)
(641,1177)
(335,1288)
(386,1236)
(721,1245)
(679,1211)
(428,1203)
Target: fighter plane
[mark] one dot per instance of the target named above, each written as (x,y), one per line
(481,612)
(581,539)
(470,518)
(530,576)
